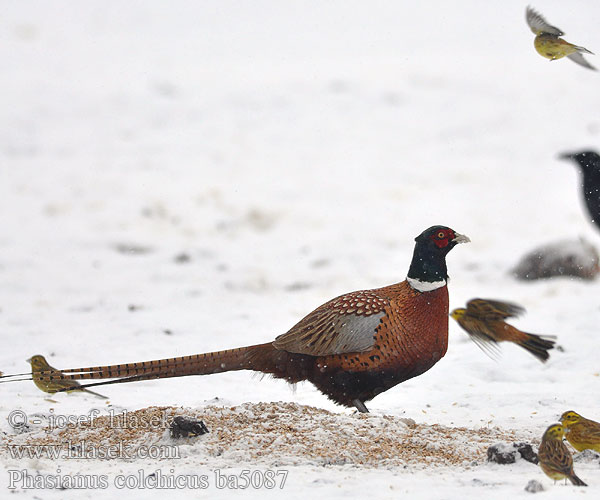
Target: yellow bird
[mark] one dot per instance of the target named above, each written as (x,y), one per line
(39,364)
(549,44)
(483,320)
(555,458)
(582,433)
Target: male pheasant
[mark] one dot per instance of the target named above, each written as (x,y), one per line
(351,348)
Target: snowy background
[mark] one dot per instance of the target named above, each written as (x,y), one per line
(181,177)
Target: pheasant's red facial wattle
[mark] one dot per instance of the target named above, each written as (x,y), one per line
(442,238)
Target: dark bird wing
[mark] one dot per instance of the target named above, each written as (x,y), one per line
(559,457)
(576,57)
(493,310)
(480,333)
(344,324)
(538,24)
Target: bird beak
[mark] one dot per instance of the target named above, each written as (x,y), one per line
(461,238)
(566,156)
(28,360)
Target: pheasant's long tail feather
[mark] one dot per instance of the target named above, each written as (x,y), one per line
(95,394)
(197,364)
(122,380)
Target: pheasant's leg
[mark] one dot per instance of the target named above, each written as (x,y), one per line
(360,406)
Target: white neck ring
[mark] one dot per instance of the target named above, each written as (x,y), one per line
(425,286)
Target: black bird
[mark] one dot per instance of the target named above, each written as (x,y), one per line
(589,161)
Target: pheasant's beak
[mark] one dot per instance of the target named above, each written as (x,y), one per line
(566,156)
(461,238)
(28,360)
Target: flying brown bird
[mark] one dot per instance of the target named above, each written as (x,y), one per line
(351,348)
(548,42)
(555,458)
(483,320)
(581,432)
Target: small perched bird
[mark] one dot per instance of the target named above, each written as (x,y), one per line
(589,163)
(582,433)
(483,320)
(555,458)
(548,42)
(53,384)
(351,348)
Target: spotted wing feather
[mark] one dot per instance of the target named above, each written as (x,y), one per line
(342,325)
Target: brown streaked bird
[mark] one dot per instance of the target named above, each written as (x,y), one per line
(555,458)
(351,348)
(581,432)
(548,43)
(39,364)
(483,320)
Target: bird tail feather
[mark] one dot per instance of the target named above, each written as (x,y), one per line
(537,345)
(576,481)
(242,358)
(583,49)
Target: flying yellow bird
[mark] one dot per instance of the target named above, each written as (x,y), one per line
(549,44)
(555,458)
(582,433)
(483,320)
(39,364)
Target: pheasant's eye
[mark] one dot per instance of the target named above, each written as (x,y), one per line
(441,234)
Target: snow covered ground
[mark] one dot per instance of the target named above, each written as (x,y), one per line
(180,177)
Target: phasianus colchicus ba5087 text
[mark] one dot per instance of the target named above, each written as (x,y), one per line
(351,348)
